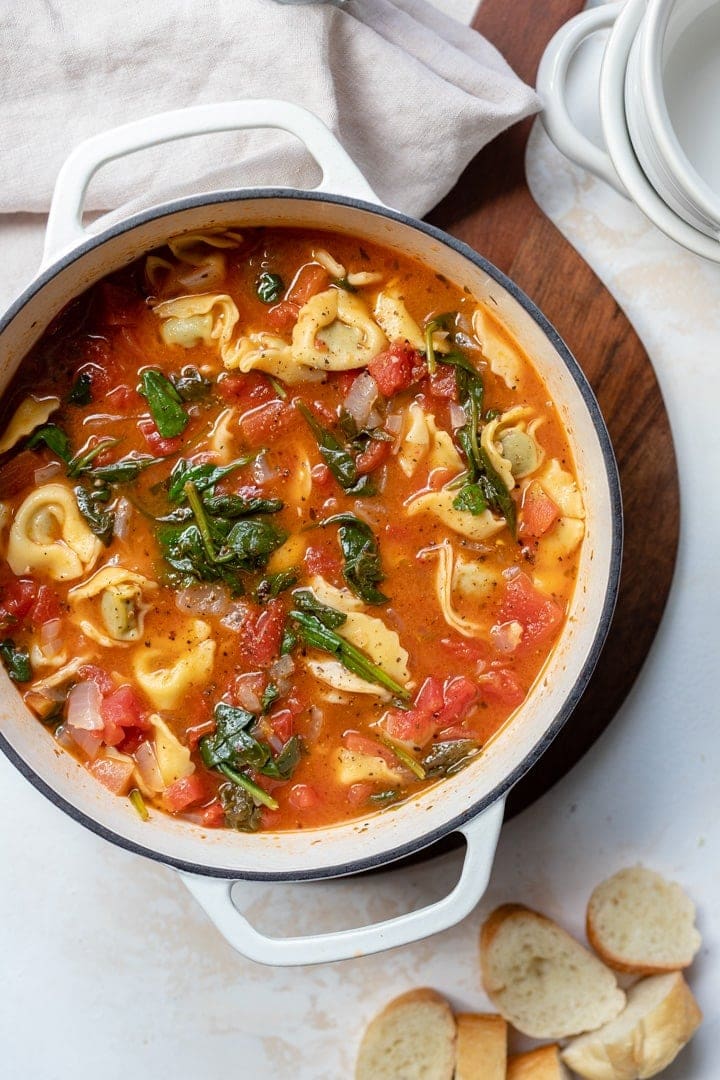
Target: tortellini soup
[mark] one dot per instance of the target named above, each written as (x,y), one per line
(288,529)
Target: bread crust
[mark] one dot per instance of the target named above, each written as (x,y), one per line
(481,1047)
(541,1064)
(421,996)
(617,1052)
(607,954)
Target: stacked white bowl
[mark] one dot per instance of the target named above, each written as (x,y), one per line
(659,97)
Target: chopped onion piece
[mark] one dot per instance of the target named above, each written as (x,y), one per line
(394,423)
(148,767)
(506,636)
(374,420)
(317,719)
(361,398)
(83,707)
(276,743)
(247,698)
(88,741)
(123,513)
(203,599)
(236,616)
(458,418)
(281,668)
(47,472)
(51,638)
(263,473)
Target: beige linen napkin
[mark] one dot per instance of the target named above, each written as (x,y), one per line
(412,94)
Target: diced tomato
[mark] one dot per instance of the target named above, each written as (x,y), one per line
(358,794)
(102,679)
(185,792)
(538,513)
(321,476)
(124,399)
(436,706)
(159,446)
(395,369)
(213,816)
(323,562)
(310,280)
(538,614)
(261,634)
(343,380)
(46,607)
(472,651)
(502,686)
(265,423)
(18,598)
(443,384)
(251,389)
(132,737)
(360,744)
(124,707)
(303,797)
(282,317)
(282,722)
(374,454)
(18,473)
(114,775)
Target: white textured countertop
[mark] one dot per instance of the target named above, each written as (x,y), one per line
(111,970)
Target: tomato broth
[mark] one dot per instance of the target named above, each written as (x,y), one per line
(290,526)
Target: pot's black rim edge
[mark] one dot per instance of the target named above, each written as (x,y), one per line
(415,845)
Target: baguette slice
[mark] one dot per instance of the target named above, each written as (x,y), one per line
(481,1047)
(660,1018)
(640,923)
(413,1038)
(541,1064)
(541,979)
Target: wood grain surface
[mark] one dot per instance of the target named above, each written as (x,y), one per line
(491,208)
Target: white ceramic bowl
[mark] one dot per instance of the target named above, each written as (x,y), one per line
(213,862)
(618,162)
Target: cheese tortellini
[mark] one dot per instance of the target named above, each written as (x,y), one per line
(122,605)
(509,442)
(334,332)
(440,504)
(444,581)
(167,673)
(396,321)
(30,414)
(355,768)
(506,359)
(203,318)
(565,536)
(173,758)
(423,439)
(50,537)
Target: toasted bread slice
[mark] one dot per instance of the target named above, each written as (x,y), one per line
(640,923)
(541,979)
(481,1052)
(541,1064)
(413,1038)
(660,1018)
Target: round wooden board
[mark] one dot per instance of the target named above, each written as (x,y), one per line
(492,210)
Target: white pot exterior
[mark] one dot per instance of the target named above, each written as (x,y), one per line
(385,836)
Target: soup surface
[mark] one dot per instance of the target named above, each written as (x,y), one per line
(289,528)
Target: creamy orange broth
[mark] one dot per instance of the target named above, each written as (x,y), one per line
(464,672)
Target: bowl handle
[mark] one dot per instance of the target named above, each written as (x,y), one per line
(65,229)
(215,896)
(552,91)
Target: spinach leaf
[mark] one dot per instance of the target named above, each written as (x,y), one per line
(125,470)
(269,696)
(252,542)
(305,600)
(191,385)
(497,494)
(338,459)
(363,569)
(316,634)
(81,390)
(231,725)
(446,758)
(165,403)
(440,322)
(81,463)
(269,287)
(204,476)
(287,642)
(236,506)
(471,498)
(283,766)
(271,587)
(16,661)
(183,550)
(54,438)
(101,521)
(239,806)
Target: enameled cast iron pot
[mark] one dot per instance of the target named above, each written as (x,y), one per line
(213,863)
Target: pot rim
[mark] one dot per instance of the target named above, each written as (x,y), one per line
(417,843)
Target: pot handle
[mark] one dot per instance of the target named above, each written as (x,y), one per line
(340,173)
(215,896)
(552,91)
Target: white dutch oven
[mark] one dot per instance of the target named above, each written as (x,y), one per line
(213,863)
(655,51)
